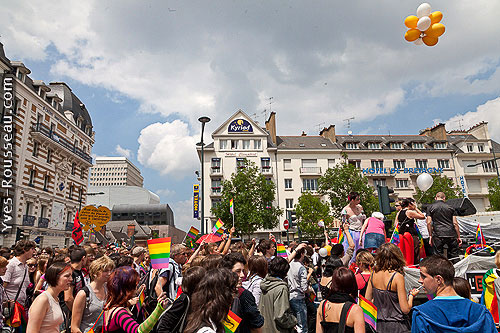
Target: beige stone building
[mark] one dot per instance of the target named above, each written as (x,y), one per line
(115,171)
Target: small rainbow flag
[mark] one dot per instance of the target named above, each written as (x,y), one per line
(217,226)
(341,236)
(369,310)
(395,235)
(480,236)
(159,252)
(231,206)
(488,297)
(281,251)
(232,322)
(321,223)
(142,297)
(219,232)
(193,232)
(312,296)
(420,243)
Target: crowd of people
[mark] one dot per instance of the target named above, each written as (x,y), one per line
(91,288)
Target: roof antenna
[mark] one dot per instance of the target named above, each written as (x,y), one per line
(265,115)
(319,126)
(460,124)
(349,125)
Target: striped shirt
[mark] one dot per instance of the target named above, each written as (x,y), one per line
(122,322)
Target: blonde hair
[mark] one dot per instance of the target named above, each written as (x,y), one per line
(97,266)
(365,258)
(3,262)
(497,259)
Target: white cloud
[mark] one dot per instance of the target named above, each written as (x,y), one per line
(123,152)
(183,215)
(165,192)
(489,112)
(168,148)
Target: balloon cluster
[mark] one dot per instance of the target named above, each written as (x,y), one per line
(425,27)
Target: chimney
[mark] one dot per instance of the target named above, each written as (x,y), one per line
(438,132)
(329,133)
(303,134)
(131,230)
(271,126)
(480,131)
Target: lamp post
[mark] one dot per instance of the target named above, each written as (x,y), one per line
(494,160)
(81,196)
(203,120)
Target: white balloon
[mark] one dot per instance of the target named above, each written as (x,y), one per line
(418,41)
(424,10)
(424,23)
(424,181)
(323,252)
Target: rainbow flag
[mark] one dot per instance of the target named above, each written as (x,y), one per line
(217,226)
(192,233)
(480,236)
(142,297)
(488,297)
(280,250)
(232,322)
(395,235)
(159,252)
(231,206)
(219,232)
(341,236)
(369,310)
(422,254)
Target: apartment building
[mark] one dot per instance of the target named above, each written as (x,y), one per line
(115,171)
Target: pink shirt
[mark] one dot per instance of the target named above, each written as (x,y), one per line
(375,226)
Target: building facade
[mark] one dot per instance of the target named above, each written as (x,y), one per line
(115,171)
(48,137)
(295,163)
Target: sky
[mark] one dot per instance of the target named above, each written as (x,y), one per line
(147,70)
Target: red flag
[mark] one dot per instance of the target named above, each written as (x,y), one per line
(77,234)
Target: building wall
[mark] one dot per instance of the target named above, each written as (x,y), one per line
(115,171)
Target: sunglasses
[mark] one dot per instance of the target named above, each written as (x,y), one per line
(31,265)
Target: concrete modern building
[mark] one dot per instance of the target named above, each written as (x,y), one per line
(47,140)
(295,163)
(159,214)
(121,195)
(115,171)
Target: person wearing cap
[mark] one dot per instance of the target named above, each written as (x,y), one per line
(138,253)
(375,231)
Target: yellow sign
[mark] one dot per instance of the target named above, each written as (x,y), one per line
(94,218)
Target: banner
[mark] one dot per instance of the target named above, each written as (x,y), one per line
(196,201)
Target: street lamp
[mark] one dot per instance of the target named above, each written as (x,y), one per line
(81,196)
(494,160)
(203,120)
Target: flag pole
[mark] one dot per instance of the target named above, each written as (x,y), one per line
(233,217)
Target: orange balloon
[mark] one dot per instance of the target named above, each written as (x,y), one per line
(436,17)
(412,35)
(436,30)
(430,41)
(411,21)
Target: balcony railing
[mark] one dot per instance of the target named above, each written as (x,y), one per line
(43,222)
(308,189)
(29,220)
(216,190)
(44,130)
(216,170)
(310,170)
(266,169)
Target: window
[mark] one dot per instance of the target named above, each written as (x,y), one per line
(43,211)
(440,145)
(216,185)
(28,208)
(489,166)
(401,183)
(351,145)
(418,145)
(222,144)
(289,203)
(215,165)
(265,163)
(46,181)
(396,145)
(355,163)
(287,164)
(377,164)
(331,163)
(480,147)
(240,163)
(70,194)
(379,182)
(309,163)
(82,173)
(80,195)
(257,144)
(73,168)
(474,185)
(215,202)
(234,144)
(35,149)
(32,177)
(19,75)
(246,144)
(49,155)
(310,184)
(470,148)
(399,164)
(421,164)
(444,164)
(373,145)
(288,184)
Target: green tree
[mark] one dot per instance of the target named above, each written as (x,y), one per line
(309,210)
(494,194)
(440,184)
(253,196)
(344,178)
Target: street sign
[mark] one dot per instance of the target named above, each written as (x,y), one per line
(286,225)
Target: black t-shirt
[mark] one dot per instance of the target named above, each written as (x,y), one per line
(442,219)
(78,282)
(406,224)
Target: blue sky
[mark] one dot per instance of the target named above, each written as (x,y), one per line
(148,70)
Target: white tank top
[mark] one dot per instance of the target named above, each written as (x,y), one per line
(54,316)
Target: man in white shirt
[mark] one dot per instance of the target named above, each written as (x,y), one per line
(16,278)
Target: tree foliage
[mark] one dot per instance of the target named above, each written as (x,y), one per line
(440,184)
(253,198)
(310,210)
(494,194)
(344,178)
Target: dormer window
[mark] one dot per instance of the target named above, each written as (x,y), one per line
(418,145)
(440,145)
(351,145)
(373,145)
(79,122)
(396,145)
(41,92)
(20,75)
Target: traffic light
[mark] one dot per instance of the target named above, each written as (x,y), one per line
(384,201)
(22,234)
(18,234)
(293,219)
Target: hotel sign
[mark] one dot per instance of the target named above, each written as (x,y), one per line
(196,201)
(240,126)
(391,171)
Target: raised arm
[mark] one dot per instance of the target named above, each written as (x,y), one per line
(252,249)
(77,312)
(228,242)
(196,252)
(294,252)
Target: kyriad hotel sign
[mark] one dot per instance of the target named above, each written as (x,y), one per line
(240,126)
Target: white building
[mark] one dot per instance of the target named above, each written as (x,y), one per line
(110,196)
(115,171)
(295,163)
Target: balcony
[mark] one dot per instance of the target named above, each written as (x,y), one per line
(309,189)
(29,220)
(310,171)
(216,170)
(43,131)
(266,170)
(69,226)
(43,222)
(216,191)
